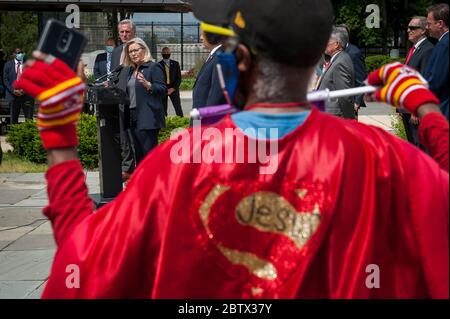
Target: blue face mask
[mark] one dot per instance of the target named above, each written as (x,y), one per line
(109,48)
(20,56)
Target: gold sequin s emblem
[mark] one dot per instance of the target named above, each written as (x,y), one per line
(267,212)
(205,208)
(257,266)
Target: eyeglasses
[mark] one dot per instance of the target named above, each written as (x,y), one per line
(413,27)
(134,51)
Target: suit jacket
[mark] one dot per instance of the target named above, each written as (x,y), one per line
(2,66)
(100,65)
(119,78)
(116,54)
(339,75)
(9,77)
(175,74)
(421,56)
(359,66)
(149,107)
(437,73)
(207,90)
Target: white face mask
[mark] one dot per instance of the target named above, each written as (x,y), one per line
(20,56)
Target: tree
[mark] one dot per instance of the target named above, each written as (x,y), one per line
(394,17)
(18,29)
(353,14)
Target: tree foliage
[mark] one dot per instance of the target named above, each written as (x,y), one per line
(394,18)
(18,29)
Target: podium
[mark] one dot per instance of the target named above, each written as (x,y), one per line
(105,103)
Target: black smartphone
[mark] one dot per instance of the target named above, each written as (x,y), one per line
(64,43)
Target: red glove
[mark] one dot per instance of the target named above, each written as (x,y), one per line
(402,87)
(60,93)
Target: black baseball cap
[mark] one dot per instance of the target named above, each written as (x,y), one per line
(212,11)
(293,32)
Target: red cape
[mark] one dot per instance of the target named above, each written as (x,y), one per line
(351,212)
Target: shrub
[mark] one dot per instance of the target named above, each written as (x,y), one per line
(90,79)
(187,84)
(87,136)
(172,123)
(399,127)
(376,61)
(25,140)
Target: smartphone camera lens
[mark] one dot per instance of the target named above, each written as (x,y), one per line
(64,41)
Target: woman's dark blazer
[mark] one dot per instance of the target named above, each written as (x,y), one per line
(149,107)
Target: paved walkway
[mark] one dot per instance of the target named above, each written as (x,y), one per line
(26,240)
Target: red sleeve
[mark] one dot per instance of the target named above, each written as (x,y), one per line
(114,249)
(69,203)
(428,201)
(433,134)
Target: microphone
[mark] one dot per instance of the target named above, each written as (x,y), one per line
(118,69)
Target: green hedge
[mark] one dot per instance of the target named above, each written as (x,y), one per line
(375,61)
(24,138)
(88,144)
(172,123)
(398,126)
(187,84)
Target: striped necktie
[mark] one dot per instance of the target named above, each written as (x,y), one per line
(18,70)
(108,62)
(167,73)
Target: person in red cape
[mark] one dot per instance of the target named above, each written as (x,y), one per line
(350,211)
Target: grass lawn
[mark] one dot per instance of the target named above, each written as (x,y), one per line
(12,164)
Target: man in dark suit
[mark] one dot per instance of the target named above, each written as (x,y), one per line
(2,66)
(437,69)
(417,58)
(127,31)
(338,74)
(359,66)
(103,61)
(17,99)
(207,90)
(172,76)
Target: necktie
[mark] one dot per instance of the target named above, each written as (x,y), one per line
(108,63)
(122,56)
(410,54)
(167,73)
(325,66)
(18,71)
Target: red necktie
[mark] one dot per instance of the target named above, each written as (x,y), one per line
(410,54)
(18,71)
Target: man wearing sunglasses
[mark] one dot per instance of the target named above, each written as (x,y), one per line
(417,58)
(16,98)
